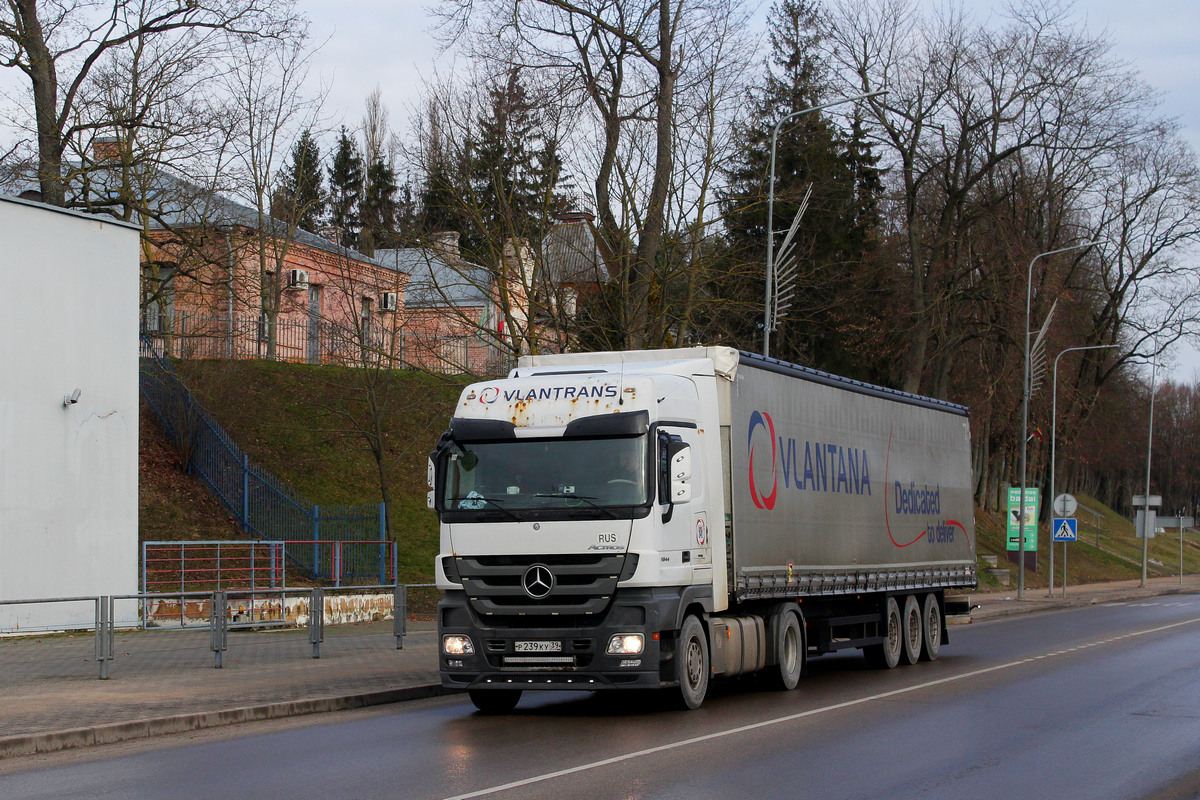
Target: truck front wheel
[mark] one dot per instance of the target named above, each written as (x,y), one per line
(495,701)
(691,663)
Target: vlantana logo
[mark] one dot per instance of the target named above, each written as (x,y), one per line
(759,419)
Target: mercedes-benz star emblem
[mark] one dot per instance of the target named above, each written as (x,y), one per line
(538,581)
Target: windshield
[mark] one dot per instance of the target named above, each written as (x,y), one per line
(513,476)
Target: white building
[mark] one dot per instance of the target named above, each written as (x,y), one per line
(68,412)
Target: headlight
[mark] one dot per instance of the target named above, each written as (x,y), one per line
(626,644)
(455,644)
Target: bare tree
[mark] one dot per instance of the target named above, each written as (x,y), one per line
(268,111)
(60,47)
(623,63)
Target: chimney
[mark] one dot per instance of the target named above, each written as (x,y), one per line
(106,148)
(575,216)
(445,244)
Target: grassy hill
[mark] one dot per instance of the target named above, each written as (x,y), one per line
(1107,550)
(305,424)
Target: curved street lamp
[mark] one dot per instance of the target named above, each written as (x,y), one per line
(1025,391)
(767,317)
(1053,444)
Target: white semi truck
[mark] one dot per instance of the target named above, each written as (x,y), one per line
(657,518)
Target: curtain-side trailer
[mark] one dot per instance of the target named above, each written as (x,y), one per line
(659,518)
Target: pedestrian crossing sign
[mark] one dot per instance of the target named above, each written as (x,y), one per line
(1065,529)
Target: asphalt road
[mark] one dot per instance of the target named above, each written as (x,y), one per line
(1097,702)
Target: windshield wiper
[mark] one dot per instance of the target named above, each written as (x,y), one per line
(494,503)
(588,500)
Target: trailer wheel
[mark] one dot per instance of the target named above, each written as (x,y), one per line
(787,631)
(495,701)
(931,617)
(691,663)
(911,626)
(887,654)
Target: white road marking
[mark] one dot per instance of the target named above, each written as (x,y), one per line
(801,715)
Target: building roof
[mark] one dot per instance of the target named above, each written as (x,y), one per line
(437,281)
(181,204)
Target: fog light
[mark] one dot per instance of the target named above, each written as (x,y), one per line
(625,644)
(455,644)
(631,662)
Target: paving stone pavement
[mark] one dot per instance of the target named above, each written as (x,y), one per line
(160,682)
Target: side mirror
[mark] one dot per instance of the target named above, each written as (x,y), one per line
(429,479)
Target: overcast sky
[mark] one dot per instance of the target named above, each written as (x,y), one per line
(390,44)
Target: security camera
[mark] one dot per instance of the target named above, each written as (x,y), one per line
(72,399)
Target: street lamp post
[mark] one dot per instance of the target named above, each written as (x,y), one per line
(1146,531)
(767,320)
(1053,453)
(1025,391)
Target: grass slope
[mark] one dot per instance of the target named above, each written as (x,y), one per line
(305,424)
(1107,550)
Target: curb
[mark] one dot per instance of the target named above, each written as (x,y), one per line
(1013,607)
(34,743)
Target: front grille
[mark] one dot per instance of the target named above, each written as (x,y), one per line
(583,585)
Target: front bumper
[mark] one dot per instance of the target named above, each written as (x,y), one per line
(579,660)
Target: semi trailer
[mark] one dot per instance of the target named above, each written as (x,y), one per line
(659,518)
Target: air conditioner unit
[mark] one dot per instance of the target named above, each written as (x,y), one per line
(387,302)
(297,279)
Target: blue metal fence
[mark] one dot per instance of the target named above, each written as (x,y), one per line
(263,505)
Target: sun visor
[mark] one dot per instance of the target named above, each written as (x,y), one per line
(633,423)
(481,430)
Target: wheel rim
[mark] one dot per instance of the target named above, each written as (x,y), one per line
(790,649)
(894,632)
(695,664)
(914,629)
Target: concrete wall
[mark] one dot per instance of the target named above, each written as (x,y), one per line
(68,473)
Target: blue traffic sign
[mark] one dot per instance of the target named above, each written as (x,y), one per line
(1065,529)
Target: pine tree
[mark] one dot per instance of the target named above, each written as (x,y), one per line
(345,190)
(301,197)
(378,208)
(514,167)
(839,224)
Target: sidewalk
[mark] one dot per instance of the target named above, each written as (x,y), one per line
(164,682)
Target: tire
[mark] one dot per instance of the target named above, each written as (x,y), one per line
(787,633)
(495,701)
(887,654)
(911,626)
(692,663)
(931,620)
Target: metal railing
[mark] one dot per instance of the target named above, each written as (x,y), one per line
(216,565)
(223,611)
(380,341)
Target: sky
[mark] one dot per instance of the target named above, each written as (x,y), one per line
(391,44)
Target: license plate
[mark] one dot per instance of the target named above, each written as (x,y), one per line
(538,647)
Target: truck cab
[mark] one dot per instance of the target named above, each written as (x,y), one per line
(574,510)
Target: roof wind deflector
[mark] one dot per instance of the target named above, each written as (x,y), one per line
(476,430)
(631,424)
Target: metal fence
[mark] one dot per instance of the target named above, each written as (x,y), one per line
(216,565)
(185,334)
(219,612)
(262,504)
